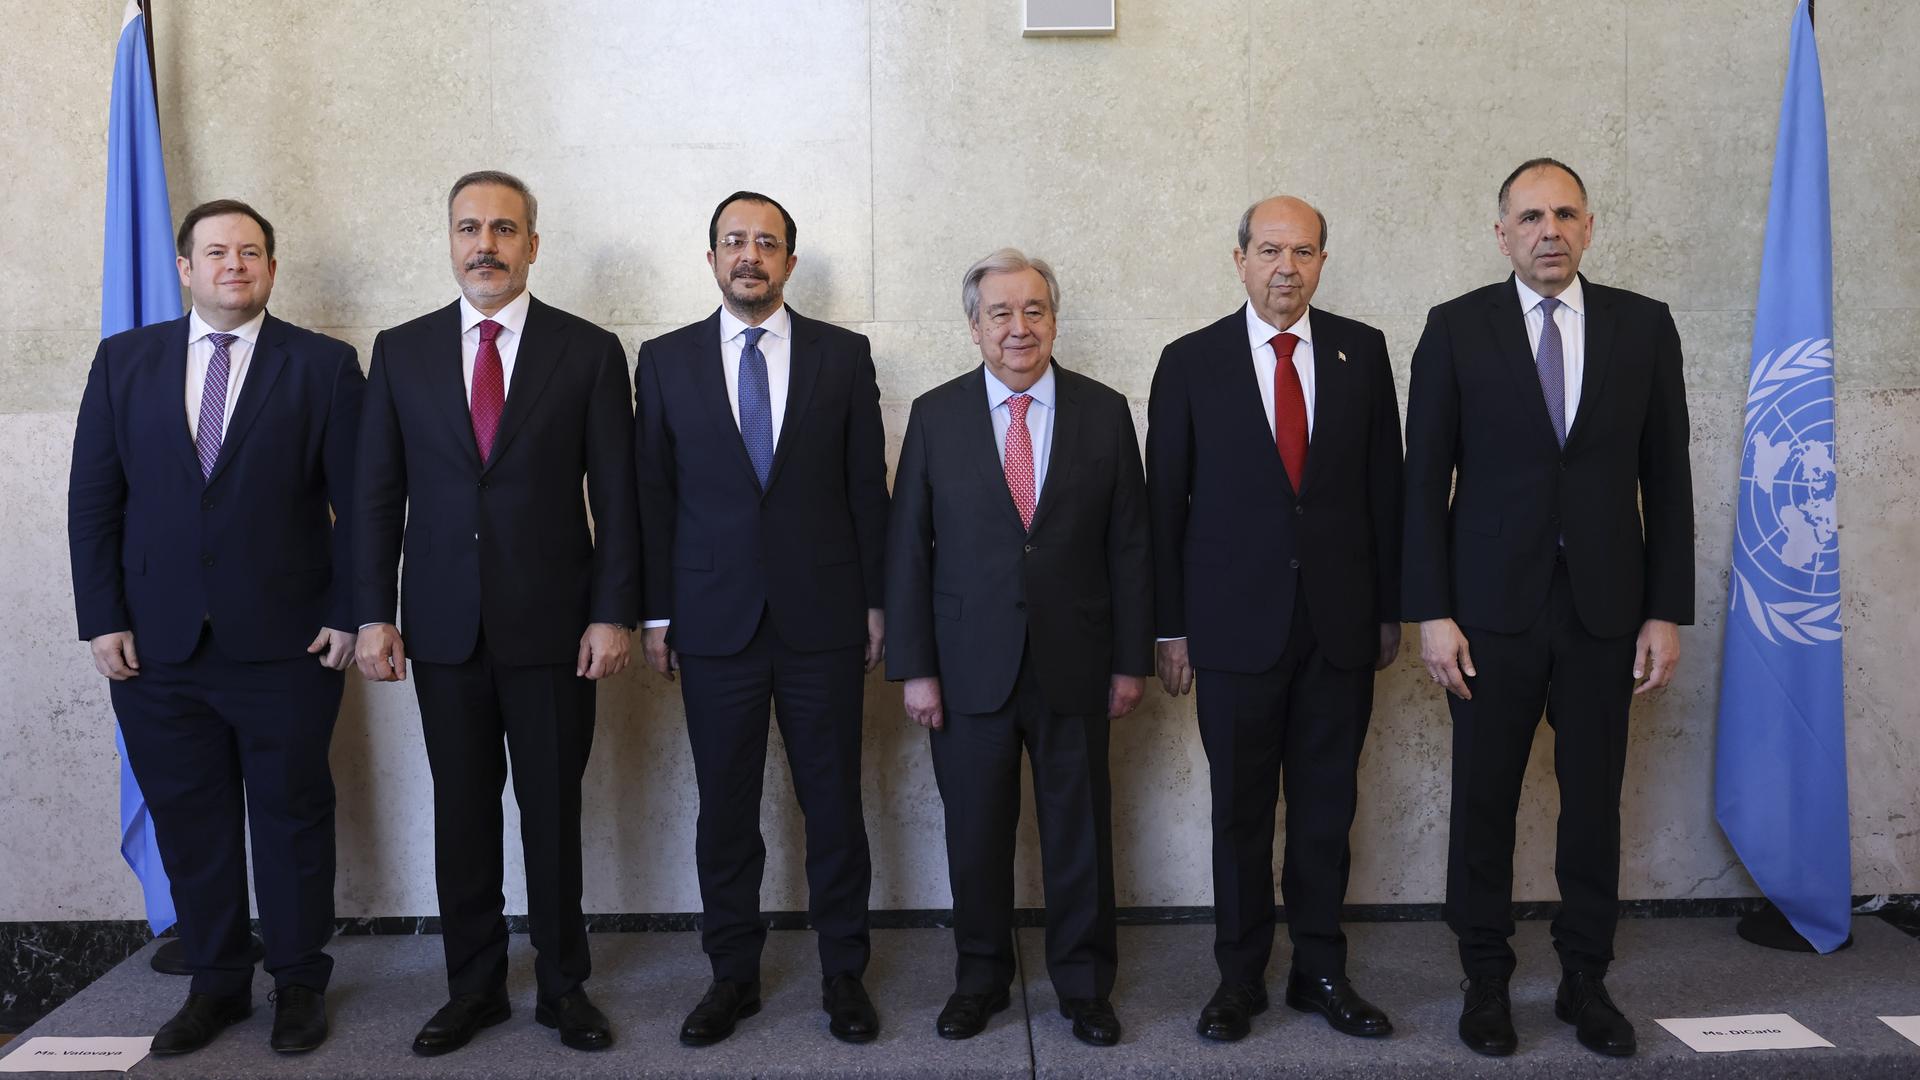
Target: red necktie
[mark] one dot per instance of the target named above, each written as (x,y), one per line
(1289,410)
(489,389)
(1018,459)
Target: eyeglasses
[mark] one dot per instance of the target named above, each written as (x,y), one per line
(734,243)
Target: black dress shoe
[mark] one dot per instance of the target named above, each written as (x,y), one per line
(726,1003)
(1486,1020)
(1093,1020)
(199,1020)
(1597,1022)
(850,1014)
(299,1019)
(459,1020)
(1229,1012)
(1336,999)
(582,1026)
(966,1014)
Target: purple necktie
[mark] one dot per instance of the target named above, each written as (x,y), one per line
(1553,370)
(213,404)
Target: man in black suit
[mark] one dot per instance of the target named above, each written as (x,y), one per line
(1019,590)
(1555,577)
(763,497)
(205,537)
(1273,462)
(482,419)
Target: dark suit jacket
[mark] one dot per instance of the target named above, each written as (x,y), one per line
(1233,542)
(504,545)
(1621,493)
(968,590)
(719,551)
(250,549)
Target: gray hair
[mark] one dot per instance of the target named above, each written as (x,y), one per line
(1246,224)
(1005,261)
(503,179)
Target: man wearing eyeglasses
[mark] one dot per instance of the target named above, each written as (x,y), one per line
(763,503)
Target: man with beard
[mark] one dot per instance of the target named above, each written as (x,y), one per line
(482,420)
(1549,563)
(1273,462)
(763,504)
(204,569)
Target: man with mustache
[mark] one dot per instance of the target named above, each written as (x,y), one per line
(1553,412)
(215,593)
(1273,467)
(483,418)
(763,499)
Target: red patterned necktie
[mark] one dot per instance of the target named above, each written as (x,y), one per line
(1018,459)
(489,389)
(1289,410)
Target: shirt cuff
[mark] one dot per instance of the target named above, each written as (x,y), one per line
(655,624)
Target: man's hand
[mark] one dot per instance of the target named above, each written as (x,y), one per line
(381,654)
(113,655)
(1123,693)
(603,651)
(876,637)
(334,646)
(1443,649)
(1389,645)
(653,643)
(1170,663)
(923,703)
(1656,654)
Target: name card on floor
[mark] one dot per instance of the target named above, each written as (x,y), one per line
(46,1053)
(1760,1031)
(1907,1026)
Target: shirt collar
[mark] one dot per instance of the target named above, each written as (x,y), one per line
(779,324)
(1259,333)
(1572,296)
(248,331)
(512,318)
(998,392)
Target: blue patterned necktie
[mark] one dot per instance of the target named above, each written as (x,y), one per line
(207,434)
(1553,370)
(756,408)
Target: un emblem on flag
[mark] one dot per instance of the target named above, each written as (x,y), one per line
(1787,534)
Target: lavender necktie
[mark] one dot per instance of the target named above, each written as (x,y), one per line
(213,404)
(1553,370)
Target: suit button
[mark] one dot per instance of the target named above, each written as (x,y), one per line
(482,485)
(1293,564)
(1555,519)
(1019,605)
(1298,510)
(206,559)
(206,502)
(1028,547)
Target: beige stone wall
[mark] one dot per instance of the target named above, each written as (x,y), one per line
(908,137)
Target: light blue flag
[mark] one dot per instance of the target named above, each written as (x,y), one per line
(1780,777)
(138,285)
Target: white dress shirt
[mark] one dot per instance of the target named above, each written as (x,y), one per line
(1260,337)
(1039,422)
(1571,318)
(200,357)
(776,345)
(512,320)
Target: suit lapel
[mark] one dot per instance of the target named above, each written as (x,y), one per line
(1064,451)
(1330,374)
(1601,322)
(710,385)
(445,379)
(1509,326)
(263,370)
(977,430)
(1242,409)
(173,384)
(540,352)
(803,372)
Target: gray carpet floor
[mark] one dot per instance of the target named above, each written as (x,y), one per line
(384,987)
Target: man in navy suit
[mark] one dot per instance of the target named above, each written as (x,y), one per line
(1273,463)
(483,420)
(763,507)
(211,583)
